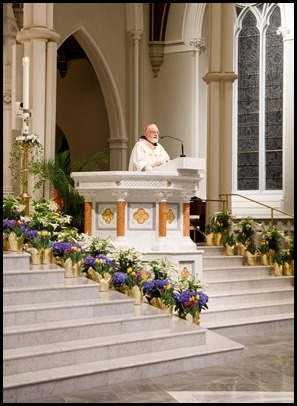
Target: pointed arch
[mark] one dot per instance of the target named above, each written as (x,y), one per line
(105,79)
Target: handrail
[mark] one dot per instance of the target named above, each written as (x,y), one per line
(272,209)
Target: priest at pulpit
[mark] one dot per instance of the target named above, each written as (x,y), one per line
(147,153)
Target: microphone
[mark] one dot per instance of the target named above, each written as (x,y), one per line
(177,139)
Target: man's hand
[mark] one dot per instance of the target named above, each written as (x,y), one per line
(159,163)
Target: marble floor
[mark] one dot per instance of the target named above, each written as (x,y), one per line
(265,375)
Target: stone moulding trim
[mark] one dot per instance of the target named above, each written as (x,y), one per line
(220,77)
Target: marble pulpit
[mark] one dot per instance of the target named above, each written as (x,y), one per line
(145,210)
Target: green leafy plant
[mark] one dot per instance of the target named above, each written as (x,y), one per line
(230,240)
(246,229)
(273,235)
(12,207)
(58,172)
(46,216)
(162,268)
(221,221)
(97,245)
(286,256)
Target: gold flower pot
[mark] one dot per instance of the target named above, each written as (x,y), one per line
(194,319)
(264,259)
(287,269)
(48,256)
(72,270)
(251,258)
(277,269)
(217,237)
(241,249)
(137,295)
(14,243)
(36,256)
(105,282)
(229,250)
(209,239)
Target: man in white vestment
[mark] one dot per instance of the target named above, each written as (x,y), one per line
(147,153)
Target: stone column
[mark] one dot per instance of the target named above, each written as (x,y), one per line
(121,197)
(186,214)
(121,218)
(88,218)
(40,46)
(288,112)
(162,218)
(161,198)
(10,30)
(219,79)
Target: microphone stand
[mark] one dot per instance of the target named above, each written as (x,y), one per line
(177,139)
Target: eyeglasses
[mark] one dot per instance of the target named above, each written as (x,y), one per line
(154,132)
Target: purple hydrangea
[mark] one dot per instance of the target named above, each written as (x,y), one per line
(119,278)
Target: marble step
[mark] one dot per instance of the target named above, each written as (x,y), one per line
(223,261)
(212,274)
(70,289)
(143,318)
(16,260)
(250,283)
(251,325)
(233,298)
(36,275)
(179,334)
(211,250)
(111,302)
(28,386)
(252,309)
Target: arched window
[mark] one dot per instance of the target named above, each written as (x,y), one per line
(259,97)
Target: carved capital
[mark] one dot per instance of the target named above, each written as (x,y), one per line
(41,33)
(198,44)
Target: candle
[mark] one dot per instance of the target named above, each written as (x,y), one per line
(26,63)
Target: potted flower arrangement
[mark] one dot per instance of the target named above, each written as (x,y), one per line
(45,215)
(246,229)
(229,244)
(99,268)
(12,207)
(160,293)
(277,261)
(251,252)
(221,221)
(13,234)
(70,256)
(129,275)
(38,244)
(190,299)
(97,245)
(273,235)
(263,250)
(209,233)
(286,262)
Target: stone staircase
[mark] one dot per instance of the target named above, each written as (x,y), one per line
(244,299)
(63,335)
